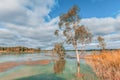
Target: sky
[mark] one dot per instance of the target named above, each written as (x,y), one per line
(31,23)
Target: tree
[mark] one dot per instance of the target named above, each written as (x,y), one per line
(72,31)
(102,43)
(59,49)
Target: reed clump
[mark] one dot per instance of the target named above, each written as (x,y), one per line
(106,64)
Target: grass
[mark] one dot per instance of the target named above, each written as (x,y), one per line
(106,64)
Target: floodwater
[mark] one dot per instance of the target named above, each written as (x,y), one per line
(42,66)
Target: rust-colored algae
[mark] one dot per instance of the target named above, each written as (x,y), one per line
(8,65)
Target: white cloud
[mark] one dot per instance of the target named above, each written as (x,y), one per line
(29,12)
(108,27)
(23,22)
(102,26)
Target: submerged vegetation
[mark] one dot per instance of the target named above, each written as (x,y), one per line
(59,66)
(59,50)
(106,65)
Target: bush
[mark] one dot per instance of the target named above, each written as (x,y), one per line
(59,49)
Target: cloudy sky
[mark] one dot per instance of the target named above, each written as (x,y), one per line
(31,23)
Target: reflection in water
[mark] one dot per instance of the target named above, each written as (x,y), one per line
(59,66)
(33,68)
(78,74)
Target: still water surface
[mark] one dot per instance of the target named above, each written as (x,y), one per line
(42,66)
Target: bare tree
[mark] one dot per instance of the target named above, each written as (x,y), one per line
(102,43)
(72,31)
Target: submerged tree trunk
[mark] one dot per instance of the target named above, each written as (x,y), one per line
(78,63)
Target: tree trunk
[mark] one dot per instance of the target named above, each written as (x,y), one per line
(77,55)
(78,63)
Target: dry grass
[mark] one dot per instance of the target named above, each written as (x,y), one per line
(106,64)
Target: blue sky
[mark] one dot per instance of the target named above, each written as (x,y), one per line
(89,8)
(32,23)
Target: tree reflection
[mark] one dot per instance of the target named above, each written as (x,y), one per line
(78,74)
(59,66)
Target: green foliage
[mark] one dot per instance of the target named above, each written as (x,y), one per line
(72,31)
(83,35)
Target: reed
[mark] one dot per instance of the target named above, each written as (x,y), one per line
(106,64)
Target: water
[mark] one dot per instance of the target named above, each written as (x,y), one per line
(54,69)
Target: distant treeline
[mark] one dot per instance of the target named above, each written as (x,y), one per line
(19,49)
(83,50)
(94,50)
